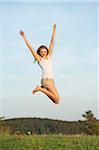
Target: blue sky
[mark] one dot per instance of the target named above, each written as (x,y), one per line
(74,59)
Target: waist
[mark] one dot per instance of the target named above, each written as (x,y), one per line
(48,75)
(47,79)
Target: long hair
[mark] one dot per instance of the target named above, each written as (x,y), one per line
(38,50)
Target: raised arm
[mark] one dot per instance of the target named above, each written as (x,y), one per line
(34,53)
(52,40)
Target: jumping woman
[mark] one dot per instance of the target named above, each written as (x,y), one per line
(44,59)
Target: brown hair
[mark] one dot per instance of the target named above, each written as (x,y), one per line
(42,46)
(38,50)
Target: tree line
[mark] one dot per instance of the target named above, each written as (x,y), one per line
(89,126)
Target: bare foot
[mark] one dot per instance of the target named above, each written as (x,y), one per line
(38,88)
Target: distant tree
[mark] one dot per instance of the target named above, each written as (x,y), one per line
(88,115)
(3,127)
(1,124)
(49,126)
(91,126)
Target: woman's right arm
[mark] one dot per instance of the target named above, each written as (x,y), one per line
(34,53)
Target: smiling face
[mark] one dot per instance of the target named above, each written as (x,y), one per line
(43,52)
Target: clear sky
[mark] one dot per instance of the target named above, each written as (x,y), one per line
(74,58)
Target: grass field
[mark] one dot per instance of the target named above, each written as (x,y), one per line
(49,142)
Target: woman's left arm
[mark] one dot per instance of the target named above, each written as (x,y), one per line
(52,40)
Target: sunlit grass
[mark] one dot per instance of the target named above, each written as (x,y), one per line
(49,142)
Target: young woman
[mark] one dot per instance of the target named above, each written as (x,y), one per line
(43,57)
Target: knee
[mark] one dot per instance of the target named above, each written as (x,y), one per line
(57,100)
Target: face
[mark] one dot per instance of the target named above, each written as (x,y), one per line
(43,52)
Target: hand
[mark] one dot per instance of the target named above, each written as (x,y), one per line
(54,26)
(21,33)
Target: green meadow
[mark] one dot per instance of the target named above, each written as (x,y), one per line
(49,142)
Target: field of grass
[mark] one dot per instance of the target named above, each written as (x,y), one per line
(49,142)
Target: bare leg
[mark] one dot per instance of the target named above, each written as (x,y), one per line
(48,93)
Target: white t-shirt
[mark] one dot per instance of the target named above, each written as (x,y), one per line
(46,66)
